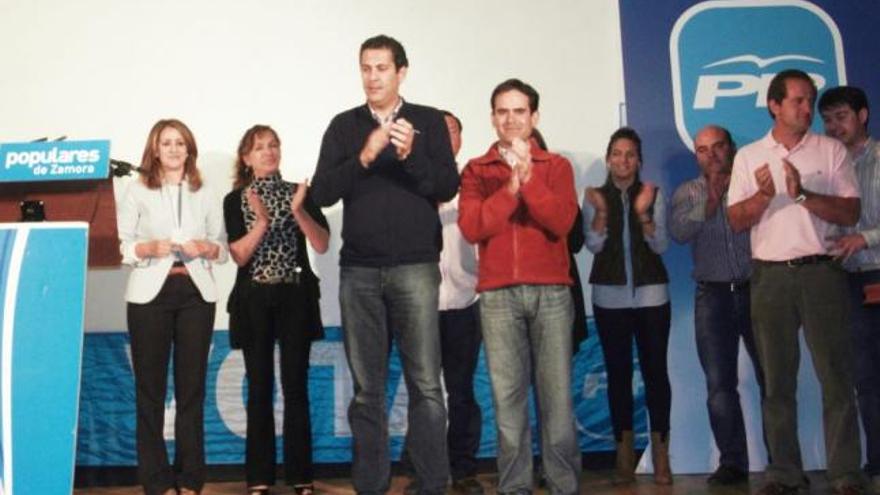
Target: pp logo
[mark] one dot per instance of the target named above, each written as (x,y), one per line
(724,54)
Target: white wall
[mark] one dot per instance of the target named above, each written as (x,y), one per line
(110,69)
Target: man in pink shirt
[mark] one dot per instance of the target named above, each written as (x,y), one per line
(795,189)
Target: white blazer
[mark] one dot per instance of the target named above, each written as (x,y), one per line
(150,214)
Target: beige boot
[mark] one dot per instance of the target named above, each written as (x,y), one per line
(626,458)
(660,456)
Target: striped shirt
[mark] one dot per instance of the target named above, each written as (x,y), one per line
(719,254)
(867,165)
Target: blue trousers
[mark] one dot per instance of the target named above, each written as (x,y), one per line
(866,346)
(722,316)
(404,297)
(522,324)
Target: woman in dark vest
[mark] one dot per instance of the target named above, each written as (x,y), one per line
(275,297)
(626,231)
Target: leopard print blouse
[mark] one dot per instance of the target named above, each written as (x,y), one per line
(274,260)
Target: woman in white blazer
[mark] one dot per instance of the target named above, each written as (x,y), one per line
(171,233)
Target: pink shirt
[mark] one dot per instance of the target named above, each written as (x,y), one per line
(787,230)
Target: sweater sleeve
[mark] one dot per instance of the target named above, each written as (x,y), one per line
(432,166)
(337,170)
(233,217)
(552,202)
(481,218)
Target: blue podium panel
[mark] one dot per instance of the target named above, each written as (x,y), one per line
(42,289)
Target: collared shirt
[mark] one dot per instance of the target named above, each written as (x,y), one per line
(720,254)
(867,165)
(458,262)
(388,120)
(629,296)
(787,230)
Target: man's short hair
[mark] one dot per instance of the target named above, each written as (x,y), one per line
(777,91)
(447,113)
(398,54)
(855,98)
(517,85)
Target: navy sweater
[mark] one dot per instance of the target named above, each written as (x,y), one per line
(389,213)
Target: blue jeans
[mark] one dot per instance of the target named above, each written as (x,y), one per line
(721,317)
(522,323)
(405,296)
(460,340)
(866,345)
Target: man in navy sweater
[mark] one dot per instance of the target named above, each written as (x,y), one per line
(391,163)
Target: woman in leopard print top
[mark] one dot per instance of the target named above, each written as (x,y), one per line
(275,297)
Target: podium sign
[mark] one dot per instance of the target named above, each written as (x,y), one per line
(42,292)
(54,161)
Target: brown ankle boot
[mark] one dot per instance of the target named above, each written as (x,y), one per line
(626,458)
(660,457)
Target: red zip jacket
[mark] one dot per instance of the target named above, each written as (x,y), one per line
(522,238)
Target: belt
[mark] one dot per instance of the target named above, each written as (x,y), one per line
(178,268)
(732,286)
(803,260)
(292,278)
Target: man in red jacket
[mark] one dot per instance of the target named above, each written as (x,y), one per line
(518,203)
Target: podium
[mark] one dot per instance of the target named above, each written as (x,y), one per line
(43,267)
(42,289)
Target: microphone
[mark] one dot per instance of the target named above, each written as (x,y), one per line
(120,168)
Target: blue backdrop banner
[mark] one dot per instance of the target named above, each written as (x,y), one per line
(107,418)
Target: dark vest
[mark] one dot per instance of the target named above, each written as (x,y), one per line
(608,264)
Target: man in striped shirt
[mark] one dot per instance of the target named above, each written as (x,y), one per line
(844,111)
(722,265)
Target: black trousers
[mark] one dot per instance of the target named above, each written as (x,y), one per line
(177,320)
(650,327)
(460,340)
(277,311)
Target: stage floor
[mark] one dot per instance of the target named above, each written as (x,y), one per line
(594,483)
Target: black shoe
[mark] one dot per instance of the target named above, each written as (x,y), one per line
(468,486)
(728,475)
(776,488)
